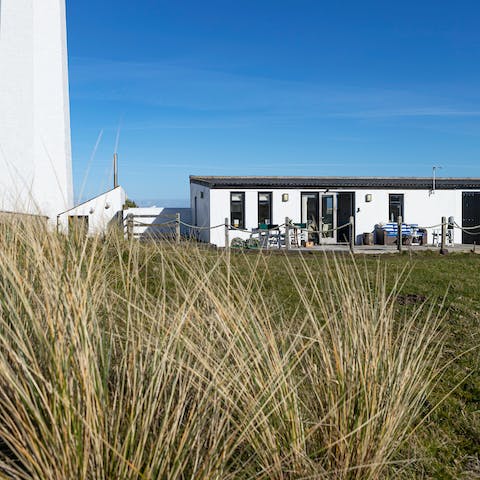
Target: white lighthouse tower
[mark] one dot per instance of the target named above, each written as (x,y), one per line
(35,148)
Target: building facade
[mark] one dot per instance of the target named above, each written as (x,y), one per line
(96,215)
(327,203)
(35,150)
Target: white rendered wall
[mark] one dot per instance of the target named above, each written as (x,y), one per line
(35,150)
(151,219)
(420,206)
(220,209)
(101,211)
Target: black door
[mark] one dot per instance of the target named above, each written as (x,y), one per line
(345,210)
(471,217)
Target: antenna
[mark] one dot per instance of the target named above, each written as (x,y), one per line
(115,170)
(115,155)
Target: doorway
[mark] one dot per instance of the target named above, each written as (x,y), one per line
(310,213)
(328,219)
(319,213)
(471,217)
(345,210)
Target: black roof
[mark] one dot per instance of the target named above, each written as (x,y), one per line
(414,183)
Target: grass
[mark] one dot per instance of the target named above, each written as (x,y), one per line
(140,361)
(448,444)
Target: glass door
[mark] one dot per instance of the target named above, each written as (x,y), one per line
(328,219)
(310,215)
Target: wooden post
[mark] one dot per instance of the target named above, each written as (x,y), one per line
(352,232)
(287,233)
(227,241)
(399,233)
(130,226)
(177,228)
(443,242)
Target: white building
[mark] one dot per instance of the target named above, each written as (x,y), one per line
(35,151)
(94,216)
(326,203)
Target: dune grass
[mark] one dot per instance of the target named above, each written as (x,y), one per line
(122,360)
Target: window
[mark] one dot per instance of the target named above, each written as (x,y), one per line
(237,209)
(265,208)
(395,207)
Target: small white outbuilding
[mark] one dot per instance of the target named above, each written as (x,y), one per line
(326,203)
(95,215)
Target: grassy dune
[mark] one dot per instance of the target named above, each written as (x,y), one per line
(123,360)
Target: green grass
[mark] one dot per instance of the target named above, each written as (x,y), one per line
(138,361)
(448,444)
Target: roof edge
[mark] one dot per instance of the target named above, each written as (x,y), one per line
(423,183)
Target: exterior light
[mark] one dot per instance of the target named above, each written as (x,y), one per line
(368,197)
(92,210)
(285,197)
(107,206)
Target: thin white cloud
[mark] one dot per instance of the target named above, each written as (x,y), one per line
(169,85)
(410,112)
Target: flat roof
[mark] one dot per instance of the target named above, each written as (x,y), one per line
(413,183)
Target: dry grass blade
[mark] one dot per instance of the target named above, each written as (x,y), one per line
(141,361)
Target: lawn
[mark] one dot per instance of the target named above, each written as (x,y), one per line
(136,360)
(448,444)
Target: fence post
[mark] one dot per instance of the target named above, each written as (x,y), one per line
(130,226)
(351,225)
(444,235)
(287,233)
(399,233)
(177,227)
(227,241)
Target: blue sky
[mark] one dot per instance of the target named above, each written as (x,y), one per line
(257,87)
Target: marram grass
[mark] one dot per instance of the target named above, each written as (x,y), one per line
(121,360)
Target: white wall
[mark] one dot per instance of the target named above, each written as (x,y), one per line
(101,211)
(220,209)
(153,217)
(420,206)
(35,151)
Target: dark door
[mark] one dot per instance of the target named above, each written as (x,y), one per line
(195,220)
(471,217)
(345,210)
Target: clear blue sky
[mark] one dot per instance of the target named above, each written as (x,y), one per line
(285,87)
